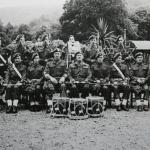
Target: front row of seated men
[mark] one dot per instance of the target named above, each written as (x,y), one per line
(79,80)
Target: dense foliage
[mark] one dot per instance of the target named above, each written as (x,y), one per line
(79,15)
(80,18)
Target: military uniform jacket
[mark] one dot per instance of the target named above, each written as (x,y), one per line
(79,72)
(56,69)
(140,71)
(89,55)
(115,74)
(35,71)
(100,70)
(12,76)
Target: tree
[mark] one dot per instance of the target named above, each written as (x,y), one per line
(25,29)
(141,17)
(40,26)
(9,30)
(55,31)
(105,37)
(79,15)
(5,39)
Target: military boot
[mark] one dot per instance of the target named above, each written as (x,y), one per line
(145,108)
(14,109)
(139,108)
(9,109)
(49,109)
(118,108)
(125,108)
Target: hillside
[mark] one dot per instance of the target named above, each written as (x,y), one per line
(24,14)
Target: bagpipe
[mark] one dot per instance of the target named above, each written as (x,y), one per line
(120,81)
(138,84)
(33,85)
(138,81)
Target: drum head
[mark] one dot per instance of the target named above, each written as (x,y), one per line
(97,108)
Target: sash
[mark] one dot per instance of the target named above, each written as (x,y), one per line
(119,71)
(14,67)
(16,70)
(2,58)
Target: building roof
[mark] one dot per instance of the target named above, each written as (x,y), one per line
(141,45)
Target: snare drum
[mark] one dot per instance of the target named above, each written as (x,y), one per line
(60,106)
(96,106)
(78,108)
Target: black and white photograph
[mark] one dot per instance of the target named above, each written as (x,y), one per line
(74,74)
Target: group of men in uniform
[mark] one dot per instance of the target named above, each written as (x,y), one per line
(82,77)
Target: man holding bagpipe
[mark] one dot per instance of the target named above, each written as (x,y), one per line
(100,75)
(119,74)
(79,74)
(72,47)
(91,51)
(15,75)
(140,74)
(55,74)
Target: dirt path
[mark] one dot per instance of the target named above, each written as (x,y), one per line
(37,131)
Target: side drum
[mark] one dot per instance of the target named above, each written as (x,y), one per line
(60,106)
(78,109)
(96,106)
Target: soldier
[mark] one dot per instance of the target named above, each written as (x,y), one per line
(140,74)
(45,52)
(101,73)
(55,73)
(35,78)
(3,68)
(73,47)
(15,74)
(119,74)
(20,44)
(91,51)
(80,72)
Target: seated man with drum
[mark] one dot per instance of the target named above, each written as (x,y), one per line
(119,74)
(55,74)
(100,76)
(79,75)
(140,74)
(91,51)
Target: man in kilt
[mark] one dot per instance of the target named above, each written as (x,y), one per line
(140,74)
(35,82)
(119,74)
(16,73)
(100,76)
(55,74)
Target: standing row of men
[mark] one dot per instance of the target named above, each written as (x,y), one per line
(79,80)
